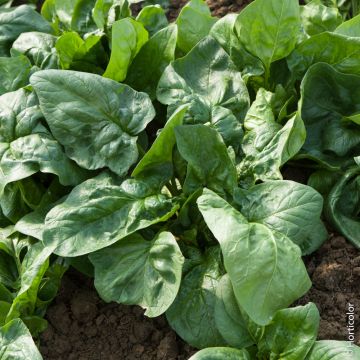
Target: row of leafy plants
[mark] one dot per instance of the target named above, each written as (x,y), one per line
(148,155)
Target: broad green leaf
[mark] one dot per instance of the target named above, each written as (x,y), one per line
(39,48)
(106,12)
(334,350)
(192,313)
(341,51)
(160,155)
(99,212)
(194,23)
(97,119)
(26,147)
(323,181)
(14,73)
(229,320)
(264,266)
(17,20)
(342,205)
(221,353)
(85,55)
(329,99)
(291,334)
(81,20)
(140,272)
(149,64)
(350,27)
(267,145)
(269,29)
(287,207)
(249,65)
(16,342)
(128,37)
(207,79)
(153,18)
(317,18)
(209,164)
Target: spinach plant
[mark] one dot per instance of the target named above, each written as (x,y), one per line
(150,156)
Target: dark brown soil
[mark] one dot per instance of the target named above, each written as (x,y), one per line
(82,327)
(335,273)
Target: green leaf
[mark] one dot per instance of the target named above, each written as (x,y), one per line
(16,342)
(291,334)
(81,20)
(128,37)
(342,205)
(149,64)
(287,207)
(24,153)
(334,350)
(39,48)
(221,353)
(194,22)
(32,271)
(264,266)
(231,323)
(153,18)
(269,29)
(99,212)
(160,155)
(209,164)
(267,145)
(106,12)
(140,272)
(192,313)
(85,55)
(317,18)
(350,27)
(338,50)
(329,98)
(207,79)
(17,20)
(97,119)
(14,73)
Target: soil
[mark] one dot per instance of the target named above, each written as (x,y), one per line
(82,327)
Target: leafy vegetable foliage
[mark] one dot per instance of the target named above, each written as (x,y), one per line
(151,156)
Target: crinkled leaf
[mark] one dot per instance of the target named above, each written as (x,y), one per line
(291,334)
(16,342)
(342,205)
(317,18)
(140,272)
(99,212)
(207,79)
(221,353)
(287,207)
(17,20)
(329,99)
(334,350)
(97,119)
(14,73)
(338,50)
(264,266)
(39,48)
(267,145)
